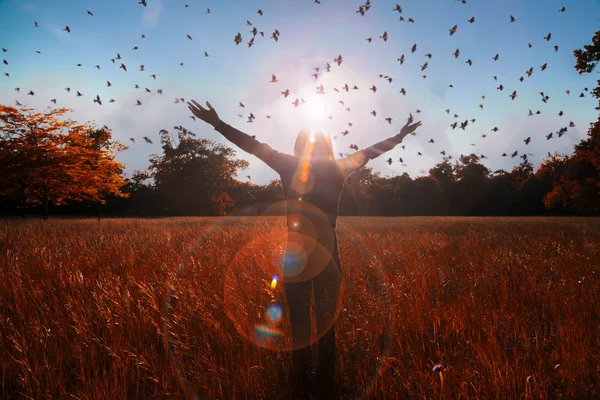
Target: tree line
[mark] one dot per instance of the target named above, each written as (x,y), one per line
(59,167)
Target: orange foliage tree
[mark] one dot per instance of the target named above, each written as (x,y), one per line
(45,160)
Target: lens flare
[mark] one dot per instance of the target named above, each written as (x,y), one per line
(274,283)
(273,315)
(247,295)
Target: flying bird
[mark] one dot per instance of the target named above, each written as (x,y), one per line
(147,139)
(90,13)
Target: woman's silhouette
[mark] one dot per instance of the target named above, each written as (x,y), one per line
(312,181)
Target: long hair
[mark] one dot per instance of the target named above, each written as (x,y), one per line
(314,145)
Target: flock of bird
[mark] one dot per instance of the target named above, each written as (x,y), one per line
(317,72)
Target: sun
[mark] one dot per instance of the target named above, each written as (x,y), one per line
(316,109)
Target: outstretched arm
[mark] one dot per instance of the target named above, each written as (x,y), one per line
(271,157)
(358,160)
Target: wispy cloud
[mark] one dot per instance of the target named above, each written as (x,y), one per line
(151,14)
(29,7)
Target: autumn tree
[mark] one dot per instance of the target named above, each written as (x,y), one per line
(576,178)
(587,60)
(48,161)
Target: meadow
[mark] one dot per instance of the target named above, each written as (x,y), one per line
(167,308)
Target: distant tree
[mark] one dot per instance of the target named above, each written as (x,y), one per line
(471,184)
(195,176)
(443,173)
(356,198)
(500,197)
(47,161)
(252,199)
(425,197)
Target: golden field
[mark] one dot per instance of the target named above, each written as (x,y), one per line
(165,308)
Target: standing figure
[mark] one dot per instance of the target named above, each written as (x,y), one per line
(312,181)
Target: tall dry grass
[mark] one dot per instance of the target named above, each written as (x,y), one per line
(164,309)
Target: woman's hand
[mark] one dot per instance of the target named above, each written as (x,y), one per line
(209,116)
(409,128)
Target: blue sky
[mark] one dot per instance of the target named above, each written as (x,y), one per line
(310,36)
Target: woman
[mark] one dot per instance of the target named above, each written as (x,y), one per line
(312,182)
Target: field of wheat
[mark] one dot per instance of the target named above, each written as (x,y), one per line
(166,308)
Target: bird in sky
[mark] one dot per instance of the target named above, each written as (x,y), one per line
(318,72)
